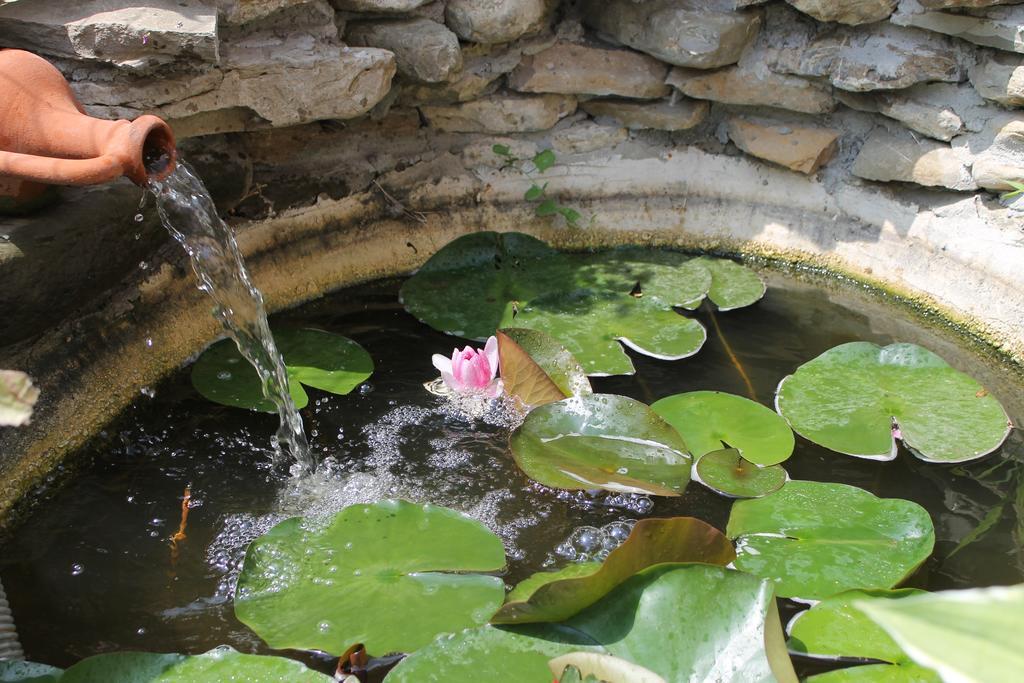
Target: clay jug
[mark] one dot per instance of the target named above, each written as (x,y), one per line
(47,139)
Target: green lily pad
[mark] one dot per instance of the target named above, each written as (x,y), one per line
(221,664)
(720,623)
(878,673)
(969,635)
(732,285)
(28,672)
(391,575)
(318,359)
(817,539)
(537,369)
(528,586)
(835,628)
(712,420)
(557,596)
(670,277)
(492,653)
(588,302)
(601,441)
(849,398)
(465,287)
(730,474)
(591,324)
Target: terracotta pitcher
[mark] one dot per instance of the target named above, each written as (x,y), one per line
(47,139)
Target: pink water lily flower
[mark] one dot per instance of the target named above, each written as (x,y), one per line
(471,370)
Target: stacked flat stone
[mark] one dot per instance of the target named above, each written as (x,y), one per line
(917,91)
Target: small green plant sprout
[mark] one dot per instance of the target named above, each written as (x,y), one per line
(538,164)
(1018,189)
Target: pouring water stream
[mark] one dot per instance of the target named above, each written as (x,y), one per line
(187,211)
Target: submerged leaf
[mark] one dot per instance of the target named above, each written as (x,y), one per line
(601,441)
(971,635)
(721,630)
(712,420)
(848,399)
(374,574)
(555,596)
(728,473)
(17,398)
(318,359)
(537,369)
(817,539)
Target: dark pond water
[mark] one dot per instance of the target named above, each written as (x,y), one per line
(91,568)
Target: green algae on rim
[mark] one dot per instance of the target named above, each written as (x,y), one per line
(858,398)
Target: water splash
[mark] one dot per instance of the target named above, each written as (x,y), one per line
(188,213)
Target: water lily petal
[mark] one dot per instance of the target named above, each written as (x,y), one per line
(451,382)
(442,364)
(491,353)
(494,388)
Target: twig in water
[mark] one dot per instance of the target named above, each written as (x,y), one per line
(180,535)
(732,356)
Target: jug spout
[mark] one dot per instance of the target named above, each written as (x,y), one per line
(45,136)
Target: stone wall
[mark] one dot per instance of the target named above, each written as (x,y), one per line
(941,81)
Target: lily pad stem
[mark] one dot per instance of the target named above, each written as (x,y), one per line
(732,356)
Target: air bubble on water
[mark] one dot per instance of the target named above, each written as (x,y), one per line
(77,569)
(324,626)
(365,388)
(224,375)
(149,342)
(143,265)
(589,544)
(147,392)
(139,218)
(634,503)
